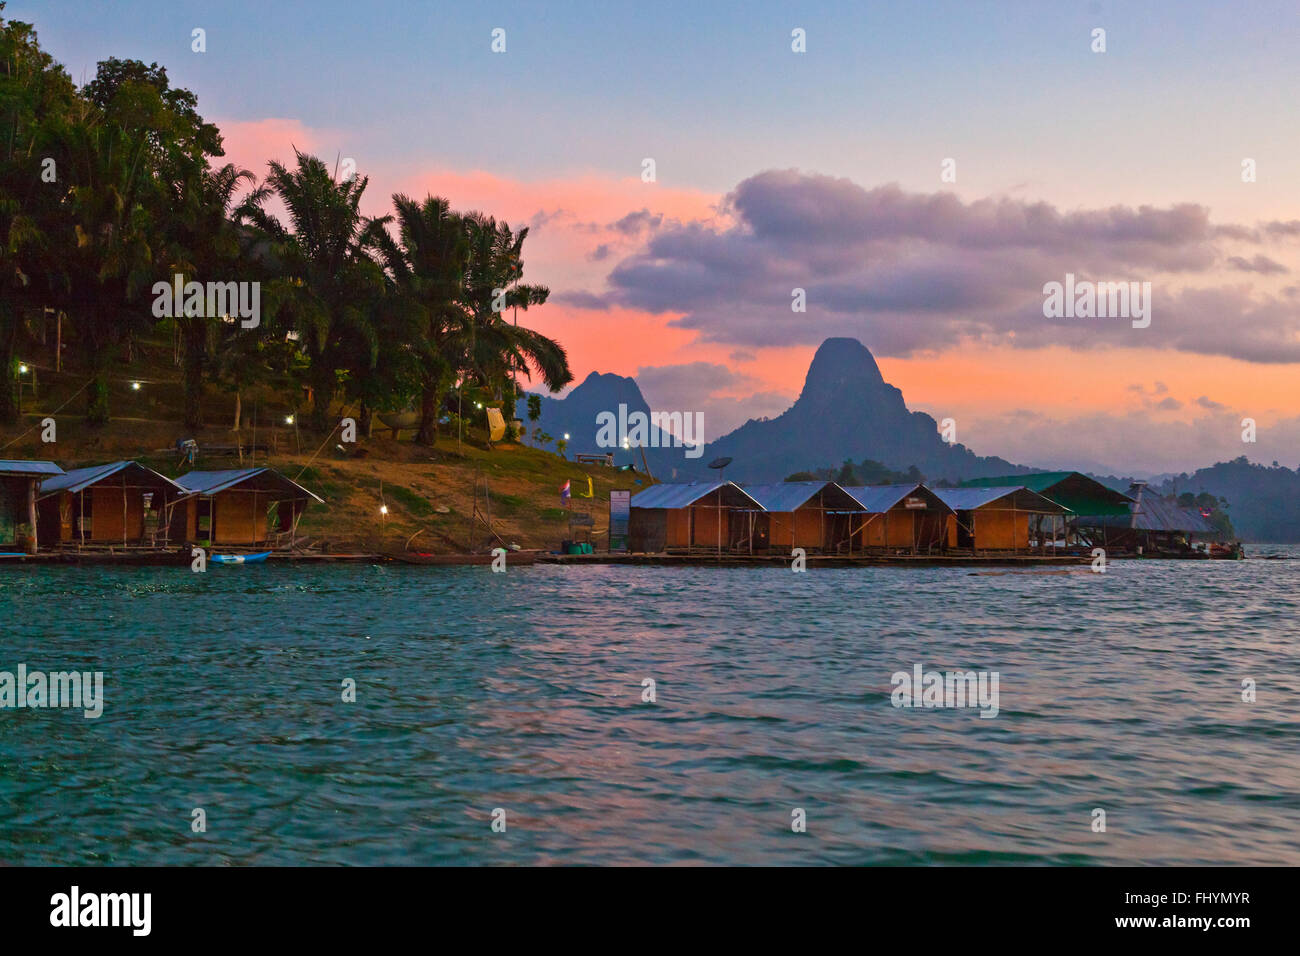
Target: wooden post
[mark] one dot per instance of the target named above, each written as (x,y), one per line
(31,514)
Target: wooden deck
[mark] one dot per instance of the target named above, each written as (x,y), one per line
(150,557)
(823,561)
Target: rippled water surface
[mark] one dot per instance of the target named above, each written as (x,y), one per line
(523,691)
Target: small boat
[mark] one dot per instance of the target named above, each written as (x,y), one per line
(1232,551)
(239,558)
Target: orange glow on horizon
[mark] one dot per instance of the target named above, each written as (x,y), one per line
(574,242)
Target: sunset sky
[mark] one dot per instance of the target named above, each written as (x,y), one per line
(821,170)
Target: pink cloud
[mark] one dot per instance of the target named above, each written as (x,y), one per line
(252,143)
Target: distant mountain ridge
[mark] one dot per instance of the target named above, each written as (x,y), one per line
(576,414)
(846,410)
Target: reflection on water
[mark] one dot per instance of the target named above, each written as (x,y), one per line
(523,691)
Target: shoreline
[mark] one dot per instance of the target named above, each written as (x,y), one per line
(522,558)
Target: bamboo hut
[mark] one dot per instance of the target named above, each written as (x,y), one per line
(20,482)
(248,506)
(813,515)
(1151,525)
(1071,490)
(907,517)
(692,516)
(119,503)
(996,519)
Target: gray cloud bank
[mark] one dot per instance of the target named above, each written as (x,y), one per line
(909,272)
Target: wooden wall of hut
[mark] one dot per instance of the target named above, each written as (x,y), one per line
(1000,530)
(794,529)
(678,528)
(239,517)
(904,528)
(709,522)
(118,514)
(892,529)
(809,529)
(647,530)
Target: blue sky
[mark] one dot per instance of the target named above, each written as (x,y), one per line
(712,91)
(1141,145)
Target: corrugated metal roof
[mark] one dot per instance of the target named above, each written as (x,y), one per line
(80,479)
(1155,514)
(212,482)
(1150,512)
(967,499)
(14,467)
(681,495)
(785,495)
(879,498)
(964,499)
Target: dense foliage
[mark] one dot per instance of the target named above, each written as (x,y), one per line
(108,190)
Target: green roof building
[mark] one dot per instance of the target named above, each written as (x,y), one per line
(1069,489)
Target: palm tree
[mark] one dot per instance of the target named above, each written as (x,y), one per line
(495,349)
(330,282)
(429,268)
(206,244)
(384,372)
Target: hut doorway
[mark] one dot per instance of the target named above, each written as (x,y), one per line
(931,527)
(205,523)
(840,529)
(8,511)
(965,529)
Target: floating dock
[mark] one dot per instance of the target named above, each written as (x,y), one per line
(822,560)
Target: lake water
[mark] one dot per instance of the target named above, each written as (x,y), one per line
(523,691)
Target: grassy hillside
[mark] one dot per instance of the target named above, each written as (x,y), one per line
(429,492)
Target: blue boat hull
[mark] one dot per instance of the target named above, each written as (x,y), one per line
(239,558)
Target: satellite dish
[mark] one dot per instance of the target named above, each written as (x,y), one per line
(720,463)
